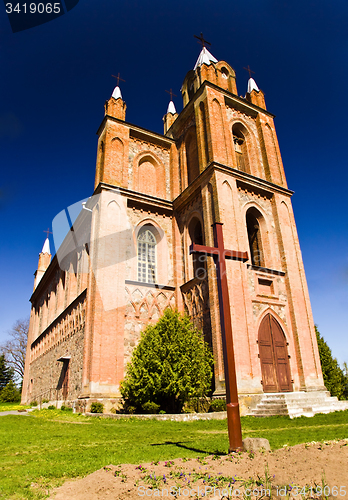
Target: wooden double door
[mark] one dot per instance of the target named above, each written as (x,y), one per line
(274,356)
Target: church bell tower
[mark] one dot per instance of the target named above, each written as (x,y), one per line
(231,172)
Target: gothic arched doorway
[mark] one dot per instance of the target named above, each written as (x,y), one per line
(274,356)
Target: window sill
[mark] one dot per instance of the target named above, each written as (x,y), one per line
(150,285)
(266,270)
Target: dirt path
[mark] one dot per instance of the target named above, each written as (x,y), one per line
(294,467)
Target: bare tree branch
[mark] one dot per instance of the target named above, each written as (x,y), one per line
(15,348)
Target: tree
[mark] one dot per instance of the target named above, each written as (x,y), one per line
(345,372)
(334,379)
(171,364)
(6,373)
(15,348)
(10,393)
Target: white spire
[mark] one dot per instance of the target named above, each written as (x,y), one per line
(46,247)
(171,108)
(117,93)
(205,57)
(252,86)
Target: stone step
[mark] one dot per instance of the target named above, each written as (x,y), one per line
(296,404)
(273,403)
(271,412)
(271,407)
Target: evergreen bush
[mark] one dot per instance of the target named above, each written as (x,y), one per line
(97,407)
(217,405)
(66,408)
(6,373)
(335,380)
(150,407)
(10,393)
(171,364)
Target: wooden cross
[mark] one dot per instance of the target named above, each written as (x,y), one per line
(249,71)
(201,40)
(220,254)
(48,232)
(118,78)
(170,92)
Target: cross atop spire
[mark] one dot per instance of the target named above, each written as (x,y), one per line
(117,91)
(48,232)
(171,107)
(249,71)
(201,40)
(46,246)
(118,78)
(171,93)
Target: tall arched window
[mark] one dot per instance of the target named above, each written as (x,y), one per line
(146,255)
(254,236)
(191,158)
(240,148)
(198,260)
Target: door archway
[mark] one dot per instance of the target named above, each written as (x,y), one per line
(274,357)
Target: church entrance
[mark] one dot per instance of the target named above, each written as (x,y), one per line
(274,356)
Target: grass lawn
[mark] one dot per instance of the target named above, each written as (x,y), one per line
(11,406)
(41,450)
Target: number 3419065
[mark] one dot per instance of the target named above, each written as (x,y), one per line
(33,8)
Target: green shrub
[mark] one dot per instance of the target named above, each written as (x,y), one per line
(197,405)
(217,405)
(45,401)
(150,407)
(335,380)
(97,407)
(6,373)
(66,408)
(10,393)
(33,403)
(51,407)
(171,364)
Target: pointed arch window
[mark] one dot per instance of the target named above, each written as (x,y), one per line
(240,148)
(253,218)
(146,256)
(198,260)
(191,157)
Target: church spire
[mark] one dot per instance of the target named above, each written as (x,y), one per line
(251,82)
(116,106)
(171,114)
(44,260)
(252,85)
(205,57)
(171,106)
(117,91)
(46,246)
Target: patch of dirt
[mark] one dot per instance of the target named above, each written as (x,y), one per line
(288,471)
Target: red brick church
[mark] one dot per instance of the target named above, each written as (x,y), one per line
(217,161)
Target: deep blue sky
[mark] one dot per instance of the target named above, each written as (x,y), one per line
(56,77)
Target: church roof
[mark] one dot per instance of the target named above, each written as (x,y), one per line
(46,247)
(117,93)
(252,85)
(205,57)
(171,108)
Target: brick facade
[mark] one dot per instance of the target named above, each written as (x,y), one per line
(218,161)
